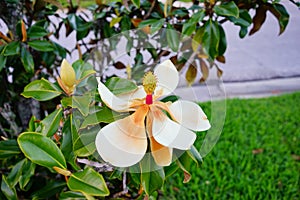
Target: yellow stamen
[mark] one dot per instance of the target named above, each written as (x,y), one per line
(149,82)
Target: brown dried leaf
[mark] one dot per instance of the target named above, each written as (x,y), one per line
(204,69)
(24,33)
(296,157)
(257,151)
(119,65)
(191,74)
(221,59)
(259,18)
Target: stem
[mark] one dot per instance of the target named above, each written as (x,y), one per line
(102,167)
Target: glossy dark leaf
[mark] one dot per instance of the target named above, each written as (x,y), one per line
(8,190)
(211,38)
(137,3)
(12,48)
(89,182)
(222,42)
(41,90)
(9,148)
(41,45)
(84,145)
(41,150)
(51,189)
(227,9)
(35,32)
(15,173)
(27,60)
(281,14)
(244,19)
(50,123)
(67,144)
(152,178)
(104,115)
(120,85)
(27,172)
(172,38)
(2,61)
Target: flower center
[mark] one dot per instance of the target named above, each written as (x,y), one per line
(149,83)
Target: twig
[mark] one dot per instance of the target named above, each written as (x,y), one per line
(125,188)
(150,10)
(101,167)
(10,117)
(3,131)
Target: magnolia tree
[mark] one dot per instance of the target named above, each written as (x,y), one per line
(110,124)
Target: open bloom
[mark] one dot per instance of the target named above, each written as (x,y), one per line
(167,125)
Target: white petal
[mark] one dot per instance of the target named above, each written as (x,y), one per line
(112,101)
(180,4)
(139,93)
(162,155)
(122,143)
(172,134)
(189,115)
(167,77)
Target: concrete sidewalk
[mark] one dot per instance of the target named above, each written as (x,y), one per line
(260,65)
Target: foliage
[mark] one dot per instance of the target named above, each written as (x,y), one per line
(257,156)
(42,162)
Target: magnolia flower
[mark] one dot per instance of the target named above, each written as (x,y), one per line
(168,125)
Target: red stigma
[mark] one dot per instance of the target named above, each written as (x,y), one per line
(149,99)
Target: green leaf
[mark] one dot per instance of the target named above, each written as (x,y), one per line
(147,22)
(188,28)
(184,164)
(243,32)
(41,45)
(82,103)
(9,148)
(71,195)
(223,41)
(59,50)
(104,115)
(51,123)
(227,9)
(244,19)
(195,155)
(152,177)
(51,189)
(9,191)
(41,90)
(2,61)
(172,38)
(282,16)
(67,144)
(211,38)
(41,150)
(156,26)
(27,60)
(114,21)
(27,172)
(12,48)
(89,182)
(120,85)
(137,3)
(171,169)
(82,69)
(36,31)
(85,143)
(15,174)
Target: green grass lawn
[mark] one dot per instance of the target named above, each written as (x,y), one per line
(271,128)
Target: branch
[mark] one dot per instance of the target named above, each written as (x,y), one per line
(125,188)
(101,167)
